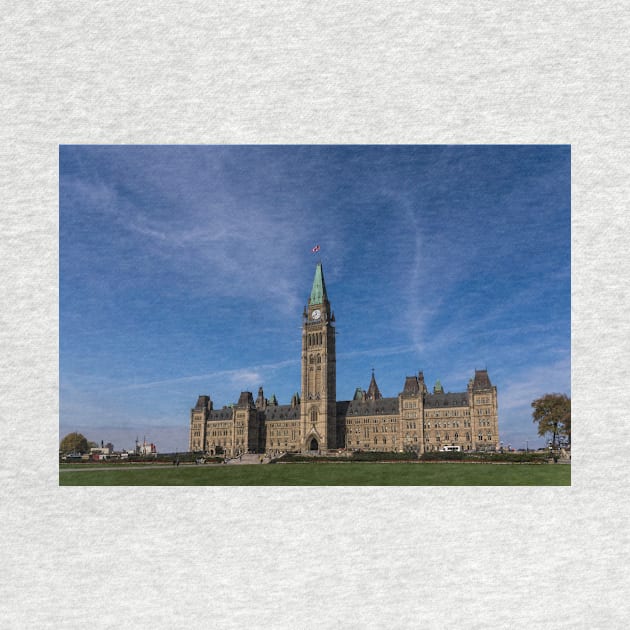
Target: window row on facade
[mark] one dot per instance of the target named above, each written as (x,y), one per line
(446,425)
(447,413)
(314,339)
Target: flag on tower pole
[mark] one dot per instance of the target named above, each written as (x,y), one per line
(315,249)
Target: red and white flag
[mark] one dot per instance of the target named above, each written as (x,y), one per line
(315,249)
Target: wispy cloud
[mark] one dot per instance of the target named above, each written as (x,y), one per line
(522,388)
(254,374)
(382,351)
(212,241)
(188,267)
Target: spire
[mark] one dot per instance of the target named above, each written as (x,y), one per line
(373,392)
(318,292)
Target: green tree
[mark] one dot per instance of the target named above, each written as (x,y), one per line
(74,443)
(552,413)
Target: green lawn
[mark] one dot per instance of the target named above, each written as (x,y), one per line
(323,474)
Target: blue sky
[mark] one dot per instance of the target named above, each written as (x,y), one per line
(184,270)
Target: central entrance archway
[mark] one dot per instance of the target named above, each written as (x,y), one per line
(313,446)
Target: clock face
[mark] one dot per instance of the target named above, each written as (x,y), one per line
(316,314)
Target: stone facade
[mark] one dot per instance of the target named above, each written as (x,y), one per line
(415,420)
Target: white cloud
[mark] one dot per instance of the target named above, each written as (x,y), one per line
(523,388)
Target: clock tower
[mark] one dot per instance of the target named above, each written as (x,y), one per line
(319,371)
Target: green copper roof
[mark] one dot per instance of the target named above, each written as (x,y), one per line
(318,292)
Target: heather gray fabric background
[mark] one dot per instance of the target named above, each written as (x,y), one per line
(306,72)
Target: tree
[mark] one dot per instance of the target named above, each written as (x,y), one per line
(552,412)
(74,443)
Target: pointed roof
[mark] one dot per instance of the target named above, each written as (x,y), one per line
(203,402)
(373,392)
(412,386)
(318,292)
(245,400)
(482,380)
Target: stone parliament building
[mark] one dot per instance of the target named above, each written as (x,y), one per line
(315,421)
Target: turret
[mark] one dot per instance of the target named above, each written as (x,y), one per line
(261,403)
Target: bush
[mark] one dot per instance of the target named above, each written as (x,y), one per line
(379,456)
(295,457)
(357,456)
(530,457)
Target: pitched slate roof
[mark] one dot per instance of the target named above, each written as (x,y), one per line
(282,412)
(412,386)
(245,399)
(367,407)
(451,399)
(202,402)
(482,380)
(221,414)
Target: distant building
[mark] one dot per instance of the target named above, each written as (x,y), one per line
(104,451)
(147,449)
(414,420)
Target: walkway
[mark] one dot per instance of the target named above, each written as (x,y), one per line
(249,458)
